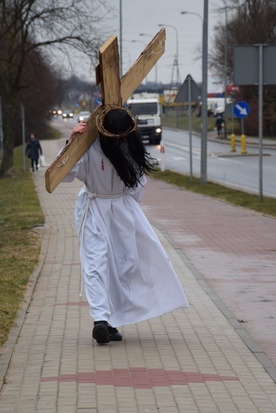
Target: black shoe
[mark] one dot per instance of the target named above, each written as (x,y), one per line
(100,332)
(114,334)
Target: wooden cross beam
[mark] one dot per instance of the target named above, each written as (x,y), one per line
(114,91)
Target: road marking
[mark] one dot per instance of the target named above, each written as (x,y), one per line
(179,158)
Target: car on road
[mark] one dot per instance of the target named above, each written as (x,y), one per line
(83,116)
(56,112)
(67,114)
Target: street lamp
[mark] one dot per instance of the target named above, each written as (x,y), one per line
(190,118)
(176,64)
(203,160)
(177,50)
(129,57)
(201,18)
(225,70)
(192,12)
(140,41)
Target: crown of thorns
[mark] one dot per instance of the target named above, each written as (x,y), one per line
(100,122)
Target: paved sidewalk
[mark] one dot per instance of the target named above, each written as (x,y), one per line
(197,360)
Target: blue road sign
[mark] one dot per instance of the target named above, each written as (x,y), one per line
(241,109)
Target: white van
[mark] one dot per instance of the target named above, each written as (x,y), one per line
(148,110)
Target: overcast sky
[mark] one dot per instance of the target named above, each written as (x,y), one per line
(144,16)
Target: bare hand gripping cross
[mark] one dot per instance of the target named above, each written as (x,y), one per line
(115,91)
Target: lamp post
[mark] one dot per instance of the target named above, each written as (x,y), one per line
(225,71)
(129,57)
(201,18)
(198,15)
(192,12)
(203,160)
(176,65)
(190,115)
(149,35)
(177,50)
(140,41)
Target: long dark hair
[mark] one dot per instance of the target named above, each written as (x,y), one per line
(125,151)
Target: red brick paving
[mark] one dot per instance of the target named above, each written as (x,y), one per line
(233,248)
(141,378)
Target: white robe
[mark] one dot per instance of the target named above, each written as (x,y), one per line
(128,276)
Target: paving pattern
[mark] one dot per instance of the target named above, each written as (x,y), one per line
(215,357)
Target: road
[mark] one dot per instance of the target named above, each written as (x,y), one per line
(230,169)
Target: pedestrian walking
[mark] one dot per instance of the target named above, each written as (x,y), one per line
(127,274)
(219,125)
(33,150)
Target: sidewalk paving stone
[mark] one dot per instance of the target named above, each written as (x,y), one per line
(196,360)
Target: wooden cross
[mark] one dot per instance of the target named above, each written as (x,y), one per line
(114,91)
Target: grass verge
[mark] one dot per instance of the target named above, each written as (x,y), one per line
(169,120)
(19,244)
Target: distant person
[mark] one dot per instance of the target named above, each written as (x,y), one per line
(127,275)
(219,125)
(33,150)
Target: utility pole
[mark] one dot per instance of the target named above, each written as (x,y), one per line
(203,161)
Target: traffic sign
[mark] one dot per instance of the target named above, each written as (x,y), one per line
(183,93)
(241,109)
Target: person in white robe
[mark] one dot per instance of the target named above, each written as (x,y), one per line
(127,274)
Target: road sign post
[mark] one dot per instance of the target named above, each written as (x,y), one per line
(229,113)
(189,92)
(255,65)
(241,110)
(22,110)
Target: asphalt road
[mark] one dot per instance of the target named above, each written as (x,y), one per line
(230,169)
(223,166)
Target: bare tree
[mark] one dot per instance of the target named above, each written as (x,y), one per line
(44,89)
(248,22)
(64,29)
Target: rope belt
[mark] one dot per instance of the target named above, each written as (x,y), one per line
(90,197)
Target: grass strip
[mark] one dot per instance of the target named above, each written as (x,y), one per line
(20,245)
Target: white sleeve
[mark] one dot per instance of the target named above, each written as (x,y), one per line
(138,192)
(72,174)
